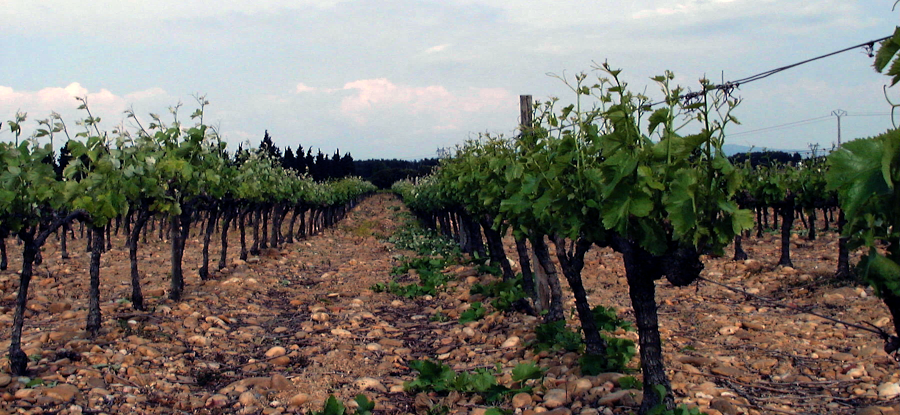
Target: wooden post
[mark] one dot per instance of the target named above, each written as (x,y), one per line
(525,113)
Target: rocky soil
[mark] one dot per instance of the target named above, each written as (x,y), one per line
(281,332)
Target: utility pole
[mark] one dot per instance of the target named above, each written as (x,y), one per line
(839,114)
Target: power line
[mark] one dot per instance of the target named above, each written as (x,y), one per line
(874,114)
(728,86)
(731,85)
(782,126)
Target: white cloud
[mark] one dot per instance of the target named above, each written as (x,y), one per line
(375,97)
(58,98)
(301,88)
(438,48)
(826,13)
(103,103)
(685,7)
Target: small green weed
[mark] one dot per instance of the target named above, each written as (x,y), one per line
(682,409)
(474,313)
(607,320)
(619,352)
(34,382)
(555,336)
(505,294)
(630,382)
(438,377)
(424,242)
(430,277)
(438,410)
(489,269)
(439,317)
(335,407)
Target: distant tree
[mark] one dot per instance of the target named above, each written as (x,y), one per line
(334,166)
(268,146)
(347,165)
(320,173)
(300,161)
(289,161)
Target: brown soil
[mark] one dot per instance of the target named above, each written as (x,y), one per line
(281,332)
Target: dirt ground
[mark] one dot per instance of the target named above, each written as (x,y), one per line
(281,332)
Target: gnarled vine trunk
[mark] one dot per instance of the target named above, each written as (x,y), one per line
(495,248)
(739,253)
(786,210)
(641,273)
(18,360)
(227,218)
(525,265)
(207,237)
(93,316)
(134,233)
(542,254)
(843,265)
(572,262)
(181,229)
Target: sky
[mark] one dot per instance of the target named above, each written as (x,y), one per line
(402,78)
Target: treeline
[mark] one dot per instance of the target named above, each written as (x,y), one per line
(380,172)
(385,172)
(767,158)
(319,166)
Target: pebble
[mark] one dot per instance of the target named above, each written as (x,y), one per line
(724,406)
(728,330)
(511,342)
(341,333)
(63,392)
(555,398)
(299,399)
(276,351)
(281,383)
(628,397)
(579,387)
(367,383)
(521,400)
(216,401)
(889,390)
(248,398)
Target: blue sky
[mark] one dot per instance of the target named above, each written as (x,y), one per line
(400,78)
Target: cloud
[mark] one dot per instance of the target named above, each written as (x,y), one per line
(103,103)
(59,98)
(686,7)
(301,88)
(827,13)
(375,97)
(438,48)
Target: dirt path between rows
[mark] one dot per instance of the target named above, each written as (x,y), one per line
(281,332)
